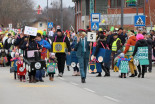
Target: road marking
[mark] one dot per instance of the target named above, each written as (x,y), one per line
(61,78)
(113,99)
(27,85)
(74,83)
(89,90)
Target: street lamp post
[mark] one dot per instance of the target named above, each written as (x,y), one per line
(47,16)
(122,13)
(61,15)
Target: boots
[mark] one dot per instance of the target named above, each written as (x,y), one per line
(132,75)
(75,73)
(99,75)
(83,80)
(34,79)
(30,79)
(135,72)
(139,75)
(78,73)
(52,79)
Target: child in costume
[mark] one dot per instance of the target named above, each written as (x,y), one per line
(123,65)
(15,59)
(53,60)
(20,65)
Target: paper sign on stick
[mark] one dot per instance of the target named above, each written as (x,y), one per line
(30,31)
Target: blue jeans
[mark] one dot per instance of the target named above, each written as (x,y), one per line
(39,74)
(83,62)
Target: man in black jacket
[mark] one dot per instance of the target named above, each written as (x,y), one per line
(61,57)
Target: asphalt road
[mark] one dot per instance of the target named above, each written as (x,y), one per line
(69,90)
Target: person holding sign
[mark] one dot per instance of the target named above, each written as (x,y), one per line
(123,65)
(131,42)
(102,44)
(31,44)
(59,43)
(83,51)
(140,44)
(45,45)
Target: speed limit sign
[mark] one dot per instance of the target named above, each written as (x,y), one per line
(91,37)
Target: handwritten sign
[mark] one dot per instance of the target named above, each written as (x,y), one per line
(30,31)
(124,67)
(91,37)
(142,53)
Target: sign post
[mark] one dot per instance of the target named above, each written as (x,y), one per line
(50,24)
(140,20)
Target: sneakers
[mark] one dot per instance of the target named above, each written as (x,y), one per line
(41,80)
(60,75)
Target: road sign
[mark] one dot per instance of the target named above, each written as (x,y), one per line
(94,26)
(140,20)
(91,37)
(50,24)
(95,17)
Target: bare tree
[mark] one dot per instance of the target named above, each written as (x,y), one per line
(16,12)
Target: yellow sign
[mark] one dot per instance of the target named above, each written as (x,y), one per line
(59,47)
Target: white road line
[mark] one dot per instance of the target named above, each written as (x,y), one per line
(74,83)
(110,98)
(89,90)
(61,78)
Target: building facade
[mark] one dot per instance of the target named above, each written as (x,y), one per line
(111,12)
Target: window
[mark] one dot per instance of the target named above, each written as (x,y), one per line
(115,3)
(40,24)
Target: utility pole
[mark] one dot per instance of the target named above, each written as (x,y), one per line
(61,16)
(122,13)
(137,7)
(144,6)
(47,18)
(150,14)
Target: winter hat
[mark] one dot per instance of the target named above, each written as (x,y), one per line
(17,53)
(52,54)
(122,55)
(139,37)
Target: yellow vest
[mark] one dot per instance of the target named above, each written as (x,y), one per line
(114,45)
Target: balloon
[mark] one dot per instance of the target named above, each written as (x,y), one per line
(100,29)
(40,31)
(44,33)
(112,28)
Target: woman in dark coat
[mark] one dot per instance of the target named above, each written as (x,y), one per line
(141,42)
(102,44)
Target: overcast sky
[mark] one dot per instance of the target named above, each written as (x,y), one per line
(43,3)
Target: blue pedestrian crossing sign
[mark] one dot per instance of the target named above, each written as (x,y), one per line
(50,24)
(95,26)
(140,20)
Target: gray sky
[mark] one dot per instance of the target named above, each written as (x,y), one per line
(43,3)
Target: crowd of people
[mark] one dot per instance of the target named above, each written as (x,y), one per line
(80,54)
